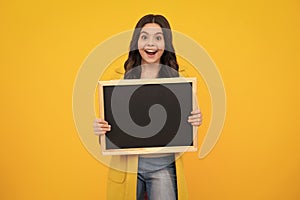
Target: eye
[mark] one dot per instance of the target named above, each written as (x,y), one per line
(158,38)
(144,37)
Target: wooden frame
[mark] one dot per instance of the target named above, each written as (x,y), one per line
(113,94)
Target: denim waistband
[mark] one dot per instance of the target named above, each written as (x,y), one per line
(148,164)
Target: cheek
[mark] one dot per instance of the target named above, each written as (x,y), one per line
(141,44)
(141,52)
(161,45)
(160,53)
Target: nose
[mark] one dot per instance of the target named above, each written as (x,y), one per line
(150,42)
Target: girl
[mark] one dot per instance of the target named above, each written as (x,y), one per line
(159,176)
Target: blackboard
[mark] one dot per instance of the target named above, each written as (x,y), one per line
(148,115)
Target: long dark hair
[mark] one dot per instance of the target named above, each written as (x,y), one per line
(168,59)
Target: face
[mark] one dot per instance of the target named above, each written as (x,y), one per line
(151,43)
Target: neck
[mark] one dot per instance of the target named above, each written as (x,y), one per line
(150,70)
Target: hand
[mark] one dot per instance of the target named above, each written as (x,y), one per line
(101,127)
(195,119)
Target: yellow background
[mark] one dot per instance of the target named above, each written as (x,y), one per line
(255,45)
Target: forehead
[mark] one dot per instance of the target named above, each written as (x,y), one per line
(151,28)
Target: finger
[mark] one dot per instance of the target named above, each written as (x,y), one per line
(195,116)
(103,128)
(100,125)
(107,128)
(97,126)
(195,121)
(100,121)
(101,131)
(198,119)
(103,125)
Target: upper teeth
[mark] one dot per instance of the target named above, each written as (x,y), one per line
(151,51)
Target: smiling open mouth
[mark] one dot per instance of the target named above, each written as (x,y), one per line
(151,52)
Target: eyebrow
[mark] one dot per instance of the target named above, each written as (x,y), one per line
(148,33)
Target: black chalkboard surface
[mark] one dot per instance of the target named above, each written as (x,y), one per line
(148,115)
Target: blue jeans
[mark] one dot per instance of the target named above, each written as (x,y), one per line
(157,177)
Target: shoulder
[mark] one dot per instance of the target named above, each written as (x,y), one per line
(120,70)
(113,73)
(183,71)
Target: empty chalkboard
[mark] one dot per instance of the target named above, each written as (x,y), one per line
(148,115)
